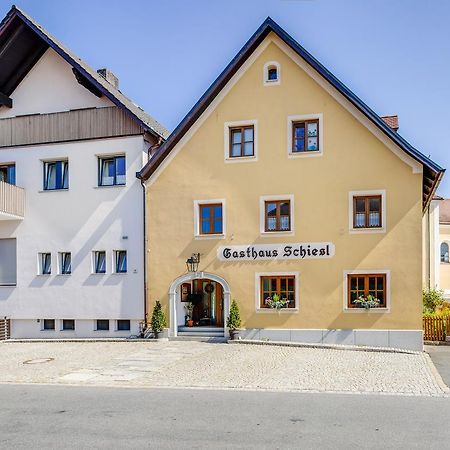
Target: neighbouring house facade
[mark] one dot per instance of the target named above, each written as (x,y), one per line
(71,207)
(280,185)
(436,246)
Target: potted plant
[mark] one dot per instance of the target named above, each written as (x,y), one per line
(276,302)
(158,321)
(189,308)
(234,320)
(367,302)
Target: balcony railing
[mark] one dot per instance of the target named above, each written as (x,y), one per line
(12,202)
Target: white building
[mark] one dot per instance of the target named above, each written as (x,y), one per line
(71,207)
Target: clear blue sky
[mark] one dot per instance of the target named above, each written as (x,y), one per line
(394,54)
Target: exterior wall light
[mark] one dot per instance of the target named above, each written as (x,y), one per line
(193,262)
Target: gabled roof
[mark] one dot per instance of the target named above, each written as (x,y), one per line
(23,42)
(432,172)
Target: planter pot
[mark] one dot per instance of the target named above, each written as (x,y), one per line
(161,335)
(234,335)
(190,323)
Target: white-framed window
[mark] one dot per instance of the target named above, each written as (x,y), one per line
(102,325)
(305,135)
(120,263)
(367,211)
(8,262)
(276,216)
(64,263)
(48,324)
(99,261)
(271,73)
(56,175)
(44,263)
(241,141)
(111,170)
(209,219)
(123,325)
(358,285)
(270,286)
(444,253)
(67,325)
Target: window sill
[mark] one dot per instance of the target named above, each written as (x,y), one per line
(367,311)
(48,331)
(116,273)
(111,186)
(7,285)
(266,234)
(241,159)
(52,190)
(99,273)
(272,82)
(43,274)
(367,230)
(200,237)
(63,274)
(307,154)
(275,311)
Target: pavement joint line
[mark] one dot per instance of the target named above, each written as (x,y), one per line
(355,348)
(229,389)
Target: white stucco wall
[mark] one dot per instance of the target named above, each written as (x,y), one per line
(80,220)
(50,86)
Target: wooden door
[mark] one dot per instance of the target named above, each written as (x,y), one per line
(219,305)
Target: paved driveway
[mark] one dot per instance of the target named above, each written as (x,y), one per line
(206,365)
(440,355)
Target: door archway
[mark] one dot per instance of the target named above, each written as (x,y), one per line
(174,294)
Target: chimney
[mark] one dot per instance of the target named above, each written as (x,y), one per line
(109,77)
(392,121)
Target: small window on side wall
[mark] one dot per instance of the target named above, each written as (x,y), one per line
(305,136)
(112,171)
(242,142)
(277,215)
(444,253)
(45,263)
(120,261)
(271,73)
(56,175)
(361,286)
(211,219)
(8,173)
(279,289)
(99,262)
(367,211)
(65,263)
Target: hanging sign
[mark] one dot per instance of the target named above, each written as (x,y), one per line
(265,252)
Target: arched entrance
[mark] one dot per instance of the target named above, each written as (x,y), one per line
(209,312)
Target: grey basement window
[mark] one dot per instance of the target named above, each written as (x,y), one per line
(68,324)
(102,325)
(49,324)
(8,262)
(123,325)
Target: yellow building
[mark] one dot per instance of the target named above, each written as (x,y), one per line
(295,194)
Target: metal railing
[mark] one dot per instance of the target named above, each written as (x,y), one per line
(12,200)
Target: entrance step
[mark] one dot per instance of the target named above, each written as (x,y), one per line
(210,339)
(200,329)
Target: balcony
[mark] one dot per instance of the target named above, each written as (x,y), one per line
(12,202)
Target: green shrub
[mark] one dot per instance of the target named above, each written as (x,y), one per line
(158,321)
(234,319)
(433,300)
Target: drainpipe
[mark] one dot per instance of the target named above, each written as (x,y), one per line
(145,252)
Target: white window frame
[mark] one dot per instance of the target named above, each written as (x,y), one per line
(48,330)
(294,310)
(381,229)
(387,309)
(226,141)
(103,156)
(60,262)
(262,215)
(61,324)
(448,243)
(117,326)
(114,257)
(197,234)
(267,66)
(299,118)
(40,269)
(102,331)
(93,272)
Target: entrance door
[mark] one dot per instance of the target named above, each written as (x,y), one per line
(208,310)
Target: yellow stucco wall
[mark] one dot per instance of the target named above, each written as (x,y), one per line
(353,159)
(444,278)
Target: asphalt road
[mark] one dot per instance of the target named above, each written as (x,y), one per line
(440,355)
(57,417)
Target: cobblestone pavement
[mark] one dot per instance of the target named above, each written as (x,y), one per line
(206,365)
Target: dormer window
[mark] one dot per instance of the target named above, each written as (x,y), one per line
(271,73)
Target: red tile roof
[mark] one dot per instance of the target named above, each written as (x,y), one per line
(392,121)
